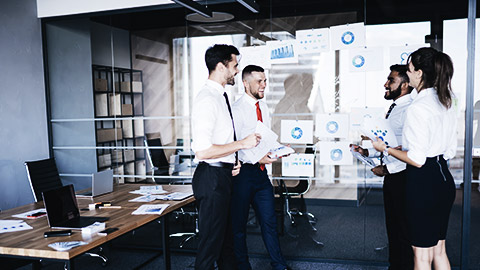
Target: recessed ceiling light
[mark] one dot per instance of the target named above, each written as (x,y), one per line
(216,17)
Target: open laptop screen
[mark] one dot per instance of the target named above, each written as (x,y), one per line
(61,205)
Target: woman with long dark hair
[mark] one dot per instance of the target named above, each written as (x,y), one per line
(429,140)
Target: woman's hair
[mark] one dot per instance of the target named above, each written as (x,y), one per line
(437,68)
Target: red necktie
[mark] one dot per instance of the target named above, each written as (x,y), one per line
(259,118)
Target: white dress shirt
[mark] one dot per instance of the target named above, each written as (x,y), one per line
(430,129)
(245,116)
(211,121)
(396,119)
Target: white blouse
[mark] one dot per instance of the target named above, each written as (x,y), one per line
(430,129)
(211,121)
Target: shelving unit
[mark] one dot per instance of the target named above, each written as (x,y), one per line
(119,109)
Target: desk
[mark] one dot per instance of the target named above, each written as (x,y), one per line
(30,244)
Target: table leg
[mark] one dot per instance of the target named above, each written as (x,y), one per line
(69,265)
(165,240)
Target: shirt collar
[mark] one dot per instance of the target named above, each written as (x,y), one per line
(250,100)
(403,99)
(220,89)
(425,92)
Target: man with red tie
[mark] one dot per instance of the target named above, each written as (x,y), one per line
(252,185)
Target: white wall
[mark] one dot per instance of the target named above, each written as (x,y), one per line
(51,8)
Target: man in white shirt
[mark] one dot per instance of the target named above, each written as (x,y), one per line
(394,184)
(252,185)
(215,147)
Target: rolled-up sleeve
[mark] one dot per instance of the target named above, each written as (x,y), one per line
(203,122)
(415,135)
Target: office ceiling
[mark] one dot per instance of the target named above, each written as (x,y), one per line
(287,13)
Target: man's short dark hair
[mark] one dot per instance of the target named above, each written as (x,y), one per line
(249,69)
(402,73)
(219,53)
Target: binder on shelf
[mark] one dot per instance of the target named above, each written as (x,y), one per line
(129,155)
(108,134)
(130,170)
(117,156)
(127,128)
(100,84)
(140,167)
(138,125)
(123,87)
(115,105)
(101,105)
(105,160)
(119,171)
(127,109)
(137,87)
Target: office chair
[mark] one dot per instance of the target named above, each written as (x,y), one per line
(158,161)
(286,193)
(43,176)
(188,235)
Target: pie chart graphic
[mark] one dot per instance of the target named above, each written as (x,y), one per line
(348,38)
(358,61)
(332,127)
(297,133)
(336,154)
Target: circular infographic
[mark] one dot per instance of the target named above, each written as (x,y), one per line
(336,154)
(348,38)
(297,133)
(358,61)
(332,127)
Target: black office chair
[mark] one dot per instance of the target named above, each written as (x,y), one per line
(158,161)
(286,192)
(43,176)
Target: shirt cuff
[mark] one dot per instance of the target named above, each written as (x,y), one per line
(416,157)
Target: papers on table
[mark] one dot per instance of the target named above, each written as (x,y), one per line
(64,246)
(149,209)
(31,214)
(144,198)
(175,196)
(146,190)
(13,226)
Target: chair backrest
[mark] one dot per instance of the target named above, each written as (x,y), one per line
(301,187)
(157,156)
(43,176)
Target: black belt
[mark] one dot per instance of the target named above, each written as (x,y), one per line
(224,165)
(256,165)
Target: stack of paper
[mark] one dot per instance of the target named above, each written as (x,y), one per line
(13,226)
(149,209)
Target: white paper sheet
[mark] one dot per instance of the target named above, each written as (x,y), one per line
(335,153)
(296,131)
(357,115)
(332,125)
(255,55)
(282,51)
(28,214)
(268,142)
(313,41)
(150,209)
(9,225)
(145,198)
(365,160)
(379,127)
(366,59)
(399,54)
(347,36)
(298,165)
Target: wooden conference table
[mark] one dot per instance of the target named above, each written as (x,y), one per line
(30,244)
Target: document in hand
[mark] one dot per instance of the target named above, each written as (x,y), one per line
(367,161)
(379,127)
(281,151)
(268,141)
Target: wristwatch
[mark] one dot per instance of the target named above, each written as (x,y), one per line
(385,151)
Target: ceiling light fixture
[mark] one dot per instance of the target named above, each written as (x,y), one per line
(251,5)
(194,6)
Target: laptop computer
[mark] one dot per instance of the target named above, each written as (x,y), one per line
(62,210)
(102,182)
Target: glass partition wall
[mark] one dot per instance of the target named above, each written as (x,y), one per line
(121,96)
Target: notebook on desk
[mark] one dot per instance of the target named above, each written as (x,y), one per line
(62,210)
(102,182)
